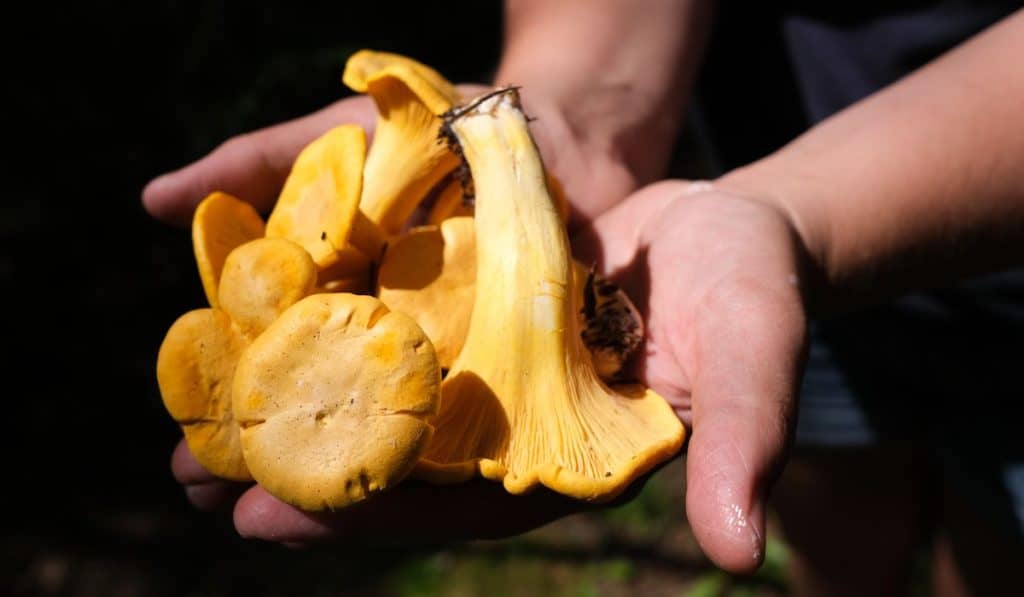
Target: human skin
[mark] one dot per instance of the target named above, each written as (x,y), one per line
(919,184)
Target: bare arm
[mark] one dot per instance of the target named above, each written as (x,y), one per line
(916,185)
(609,79)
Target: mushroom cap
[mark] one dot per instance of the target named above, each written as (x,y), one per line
(430,274)
(220,224)
(261,279)
(333,399)
(320,199)
(367,66)
(195,366)
(405,160)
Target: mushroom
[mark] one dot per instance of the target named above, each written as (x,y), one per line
(220,224)
(523,403)
(333,400)
(452,201)
(429,274)
(319,204)
(198,357)
(405,160)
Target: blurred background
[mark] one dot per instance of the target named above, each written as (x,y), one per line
(103,97)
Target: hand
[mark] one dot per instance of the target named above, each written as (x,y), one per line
(716,275)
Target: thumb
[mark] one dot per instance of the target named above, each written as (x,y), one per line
(253,166)
(749,350)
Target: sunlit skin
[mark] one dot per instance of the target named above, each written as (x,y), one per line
(724,274)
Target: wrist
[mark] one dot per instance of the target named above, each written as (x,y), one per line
(624,123)
(776,183)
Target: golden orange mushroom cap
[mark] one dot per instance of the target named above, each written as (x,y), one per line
(333,399)
(319,204)
(220,224)
(261,279)
(195,366)
(429,274)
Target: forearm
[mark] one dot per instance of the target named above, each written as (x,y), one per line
(917,185)
(617,72)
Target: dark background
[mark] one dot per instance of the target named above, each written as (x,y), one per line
(101,97)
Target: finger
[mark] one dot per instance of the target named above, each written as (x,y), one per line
(251,166)
(203,490)
(749,351)
(613,239)
(412,513)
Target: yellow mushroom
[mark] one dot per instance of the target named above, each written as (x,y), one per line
(333,399)
(405,160)
(197,359)
(194,370)
(429,274)
(452,203)
(261,279)
(522,403)
(220,224)
(319,204)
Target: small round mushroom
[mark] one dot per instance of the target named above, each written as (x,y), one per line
(221,223)
(263,278)
(333,399)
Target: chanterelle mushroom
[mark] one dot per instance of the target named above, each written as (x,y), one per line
(319,204)
(449,204)
(333,399)
(197,359)
(405,160)
(429,274)
(523,403)
(220,224)
(452,201)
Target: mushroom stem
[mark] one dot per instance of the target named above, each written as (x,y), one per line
(522,403)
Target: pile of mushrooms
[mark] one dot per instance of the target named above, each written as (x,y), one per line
(346,349)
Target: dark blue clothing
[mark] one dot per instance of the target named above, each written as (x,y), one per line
(946,367)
